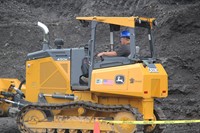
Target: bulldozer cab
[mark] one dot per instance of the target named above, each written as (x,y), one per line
(89,52)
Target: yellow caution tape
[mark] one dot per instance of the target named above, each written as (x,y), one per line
(151,122)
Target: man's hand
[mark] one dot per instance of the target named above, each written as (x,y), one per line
(100,54)
(112,53)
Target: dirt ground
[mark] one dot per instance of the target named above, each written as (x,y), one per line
(177,40)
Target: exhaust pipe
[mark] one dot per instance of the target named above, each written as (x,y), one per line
(46,35)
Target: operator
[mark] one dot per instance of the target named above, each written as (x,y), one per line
(124,49)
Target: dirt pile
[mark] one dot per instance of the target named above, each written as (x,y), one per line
(177,40)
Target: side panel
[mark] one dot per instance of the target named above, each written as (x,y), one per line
(47,76)
(137,81)
(156,83)
(103,80)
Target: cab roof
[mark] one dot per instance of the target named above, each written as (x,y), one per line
(122,21)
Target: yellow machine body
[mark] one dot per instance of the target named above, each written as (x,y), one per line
(46,75)
(5,86)
(140,86)
(6,82)
(139,82)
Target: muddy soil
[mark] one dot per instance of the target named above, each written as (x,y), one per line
(177,40)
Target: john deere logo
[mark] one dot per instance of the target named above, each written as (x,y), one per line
(119,79)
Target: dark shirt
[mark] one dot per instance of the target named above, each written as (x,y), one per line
(123,50)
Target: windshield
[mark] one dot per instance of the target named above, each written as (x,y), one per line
(142,41)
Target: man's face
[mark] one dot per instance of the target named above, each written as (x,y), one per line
(124,41)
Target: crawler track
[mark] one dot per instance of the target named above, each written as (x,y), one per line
(73,105)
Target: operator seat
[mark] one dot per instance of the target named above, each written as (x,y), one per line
(85,71)
(85,66)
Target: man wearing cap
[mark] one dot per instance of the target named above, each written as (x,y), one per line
(123,50)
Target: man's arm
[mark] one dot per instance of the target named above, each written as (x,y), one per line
(112,53)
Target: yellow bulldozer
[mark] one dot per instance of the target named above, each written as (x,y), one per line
(54,99)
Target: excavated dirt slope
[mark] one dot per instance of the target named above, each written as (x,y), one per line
(177,40)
